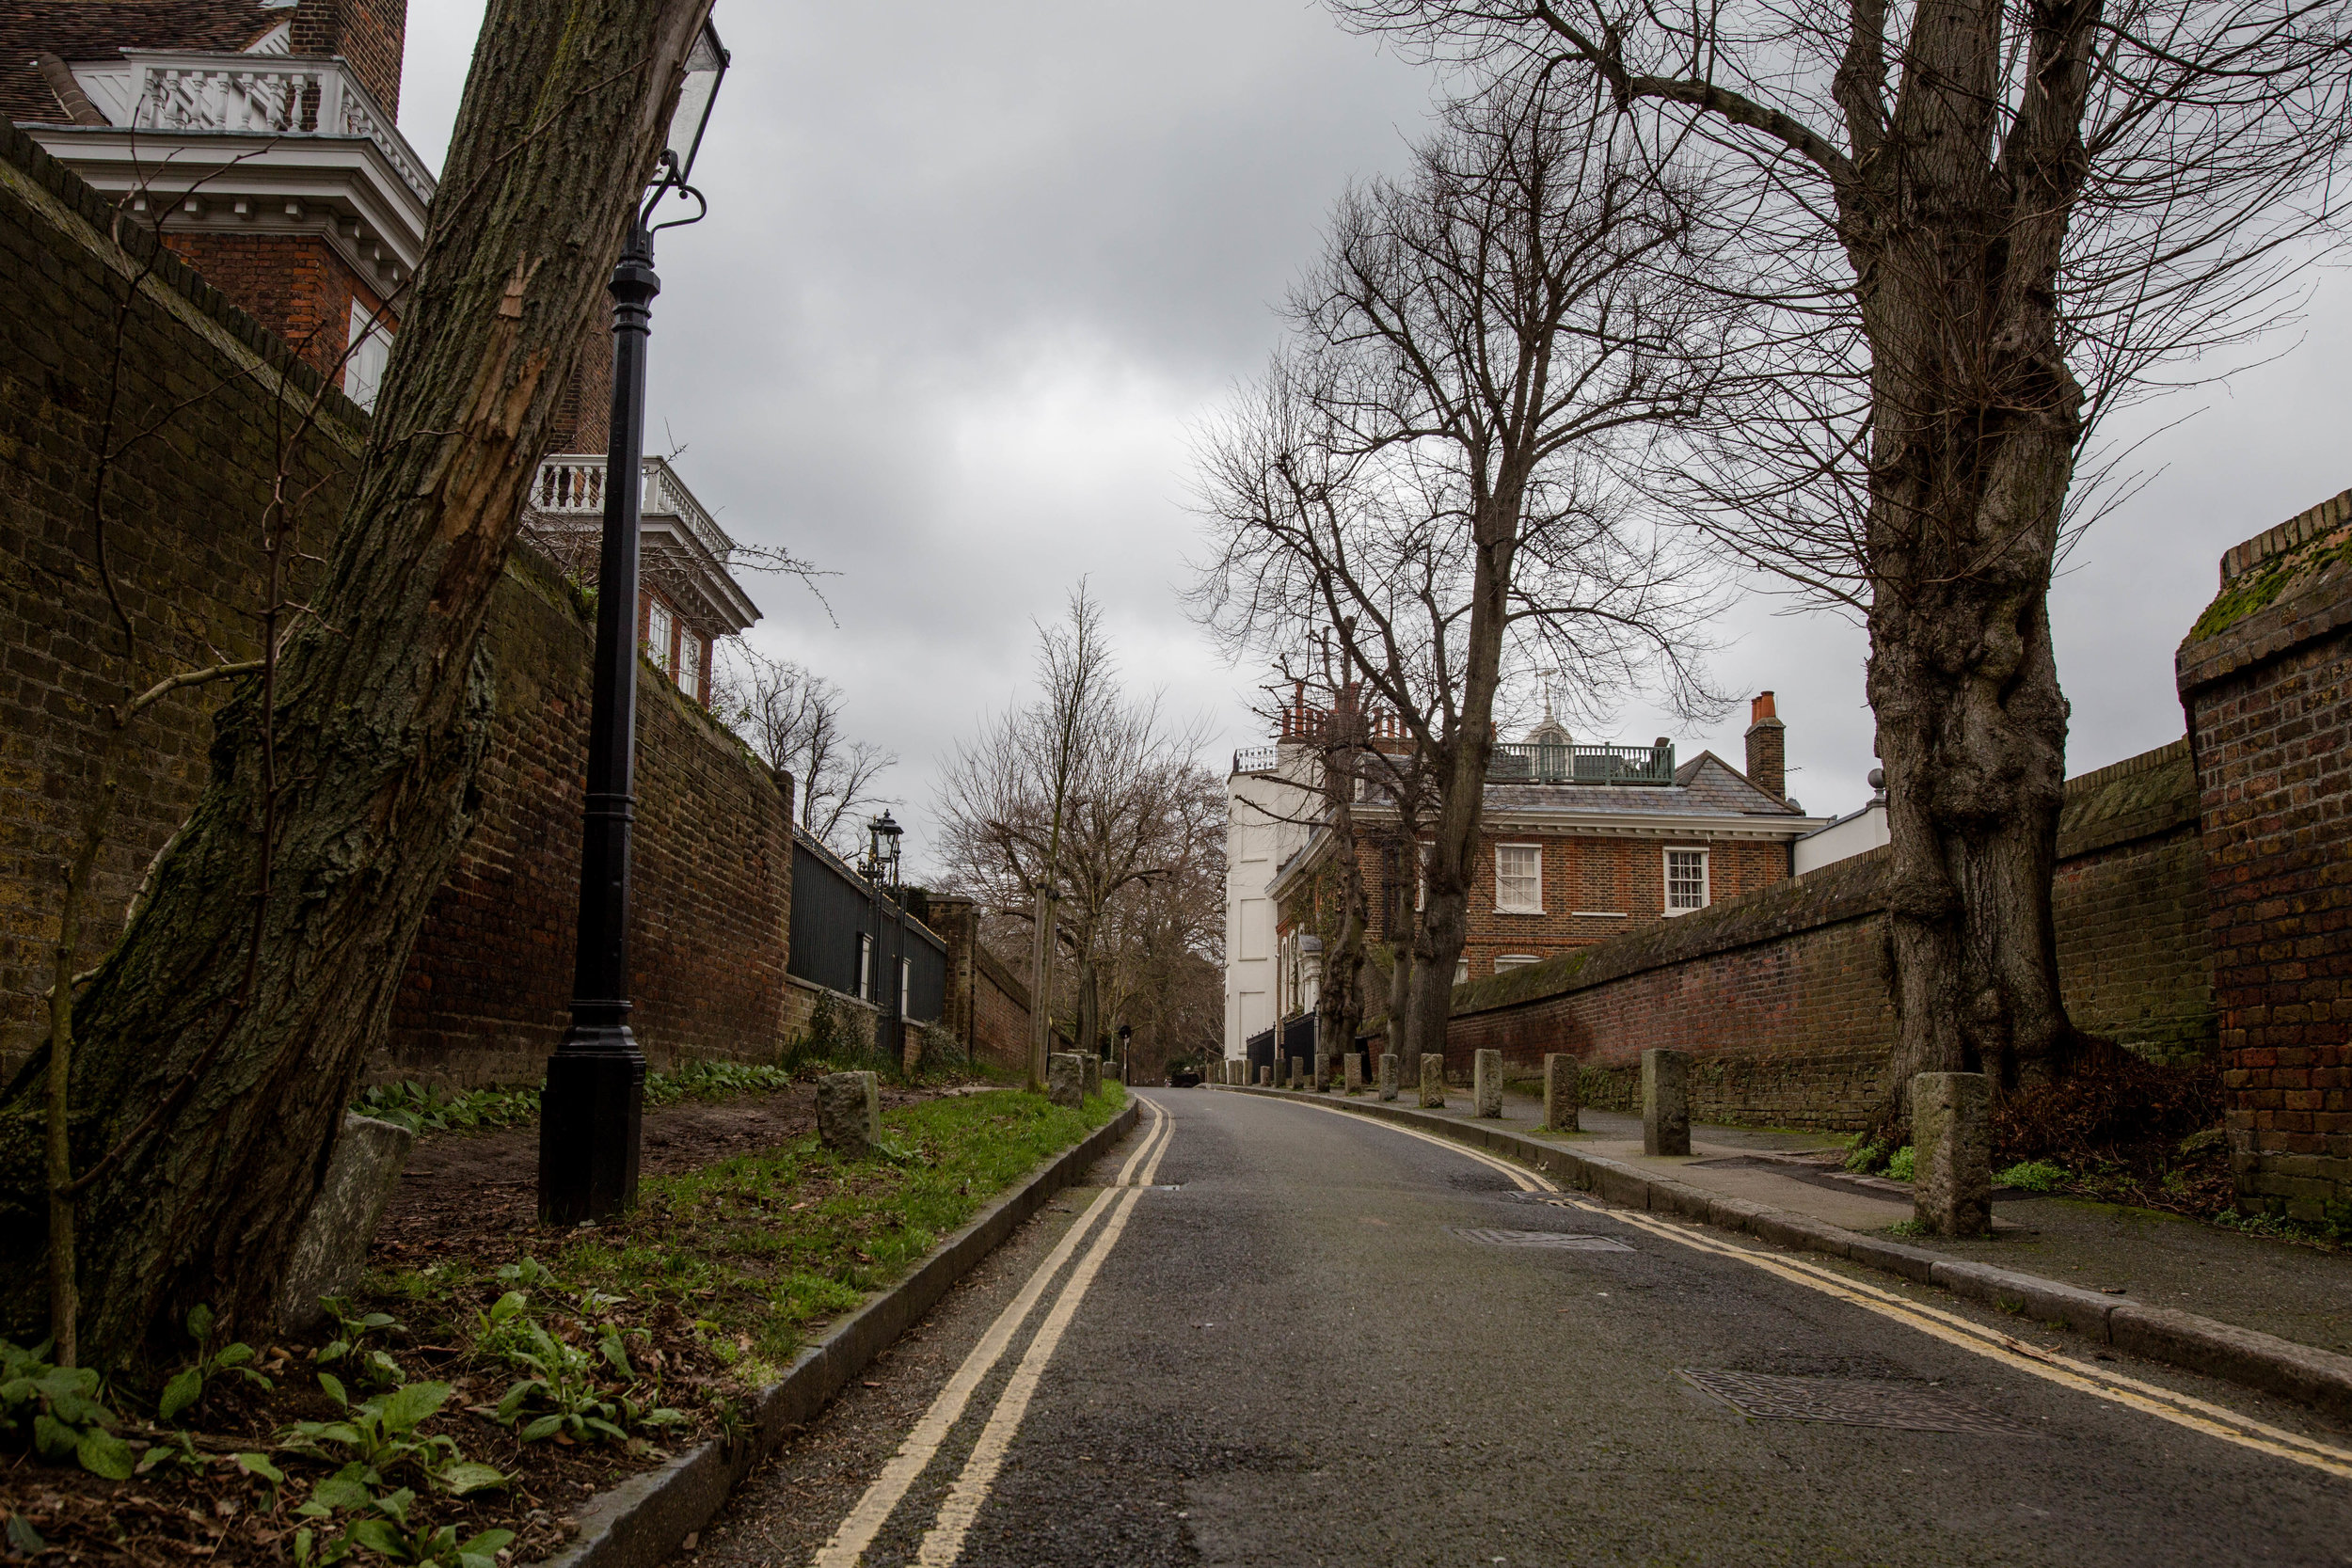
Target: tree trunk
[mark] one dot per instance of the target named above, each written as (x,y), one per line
(1041,985)
(220,1041)
(1975,421)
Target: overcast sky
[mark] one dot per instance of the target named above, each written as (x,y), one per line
(972,275)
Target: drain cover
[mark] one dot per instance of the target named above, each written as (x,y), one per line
(1565,1241)
(1850,1402)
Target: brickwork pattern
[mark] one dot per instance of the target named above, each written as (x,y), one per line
(987,1009)
(368,33)
(293,284)
(182,509)
(487,991)
(1783,994)
(2271,704)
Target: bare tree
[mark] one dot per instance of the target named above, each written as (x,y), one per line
(218,1043)
(1426,474)
(1084,791)
(1972,227)
(792,718)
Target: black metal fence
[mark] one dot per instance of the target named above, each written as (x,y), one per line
(839,942)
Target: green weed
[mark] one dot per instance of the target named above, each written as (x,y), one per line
(2032,1176)
(1899,1163)
(61,1406)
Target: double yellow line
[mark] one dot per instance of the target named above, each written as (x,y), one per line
(944,1543)
(2168,1404)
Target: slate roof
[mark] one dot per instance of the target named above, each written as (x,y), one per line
(1704,786)
(87,31)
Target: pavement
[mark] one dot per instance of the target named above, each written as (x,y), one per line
(1271,1333)
(2297,1292)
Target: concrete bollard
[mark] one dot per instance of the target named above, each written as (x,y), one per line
(1265,1078)
(1561,1102)
(1952,1141)
(1388,1075)
(1115,1072)
(1665,1102)
(1094,1075)
(331,1251)
(1065,1078)
(848,1112)
(1354,1063)
(1432,1081)
(1487,1083)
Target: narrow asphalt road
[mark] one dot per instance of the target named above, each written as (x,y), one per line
(1296,1336)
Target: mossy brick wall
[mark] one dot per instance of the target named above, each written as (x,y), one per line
(211,393)
(1785,995)
(2266,678)
(210,398)
(487,991)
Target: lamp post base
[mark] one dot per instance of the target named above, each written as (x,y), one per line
(590,1115)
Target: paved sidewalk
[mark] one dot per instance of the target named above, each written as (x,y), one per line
(2296,1292)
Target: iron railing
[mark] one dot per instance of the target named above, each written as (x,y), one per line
(1530,761)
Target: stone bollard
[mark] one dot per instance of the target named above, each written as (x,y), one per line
(1094,1075)
(848,1112)
(1388,1075)
(1665,1102)
(1065,1078)
(330,1250)
(1116,1072)
(1487,1083)
(1354,1063)
(1265,1078)
(1432,1081)
(1560,1093)
(1298,1071)
(1951,1141)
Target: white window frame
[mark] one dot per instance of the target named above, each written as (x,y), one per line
(689,663)
(660,624)
(364,362)
(1461,971)
(865,966)
(906,987)
(1505,962)
(1707,883)
(1537,907)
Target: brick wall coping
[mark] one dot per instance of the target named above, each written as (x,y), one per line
(2307,598)
(2137,798)
(2291,535)
(999,977)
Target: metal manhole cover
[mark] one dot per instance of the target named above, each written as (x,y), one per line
(1850,1402)
(1565,1241)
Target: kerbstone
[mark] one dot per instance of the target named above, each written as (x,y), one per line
(1388,1075)
(1433,1081)
(1487,1083)
(1952,1140)
(848,1112)
(332,1248)
(1665,1101)
(1066,1078)
(1561,1105)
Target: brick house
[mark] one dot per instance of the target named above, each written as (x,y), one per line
(1578,844)
(259,135)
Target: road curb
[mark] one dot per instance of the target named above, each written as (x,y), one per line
(2316,1377)
(642,1520)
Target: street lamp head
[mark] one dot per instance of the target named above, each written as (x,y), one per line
(1126,1033)
(706,66)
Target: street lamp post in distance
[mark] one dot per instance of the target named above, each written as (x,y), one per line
(591,1109)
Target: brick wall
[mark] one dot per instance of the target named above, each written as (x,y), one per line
(485,991)
(368,33)
(1783,994)
(183,507)
(2266,678)
(988,1009)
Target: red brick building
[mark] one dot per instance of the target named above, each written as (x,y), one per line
(1578,844)
(258,137)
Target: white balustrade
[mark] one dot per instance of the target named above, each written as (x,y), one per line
(266,95)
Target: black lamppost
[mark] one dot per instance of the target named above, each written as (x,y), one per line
(592,1108)
(1126,1052)
(882,864)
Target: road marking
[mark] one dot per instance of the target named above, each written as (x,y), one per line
(857,1531)
(2184,1410)
(944,1543)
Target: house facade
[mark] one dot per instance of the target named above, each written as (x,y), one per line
(1578,844)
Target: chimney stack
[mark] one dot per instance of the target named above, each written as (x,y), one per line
(1768,749)
(368,33)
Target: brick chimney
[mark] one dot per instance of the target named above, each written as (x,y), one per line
(1768,749)
(368,33)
